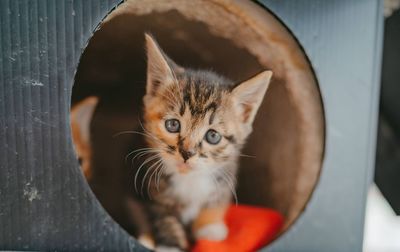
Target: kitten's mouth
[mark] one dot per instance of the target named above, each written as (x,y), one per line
(183,168)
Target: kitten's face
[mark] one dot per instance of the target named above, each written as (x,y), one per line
(197,120)
(193,127)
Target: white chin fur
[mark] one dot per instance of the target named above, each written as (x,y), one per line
(213,232)
(193,189)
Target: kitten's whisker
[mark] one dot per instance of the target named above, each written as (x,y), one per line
(160,173)
(146,151)
(232,190)
(149,180)
(159,176)
(130,153)
(245,155)
(152,135)
(128,132)
(147,132)
(231,184)
(138,171)
(230,176)
(159,164)
(154,168)
(215,181)
(143,153)
(142,165)
(136,132)
(142,126)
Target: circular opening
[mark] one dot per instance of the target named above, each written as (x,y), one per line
(237,39)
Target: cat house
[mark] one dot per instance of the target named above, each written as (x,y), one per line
(311,152)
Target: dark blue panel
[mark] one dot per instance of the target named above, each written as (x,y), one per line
(45,204)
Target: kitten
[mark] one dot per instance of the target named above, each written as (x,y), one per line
(81,116)
(196,123)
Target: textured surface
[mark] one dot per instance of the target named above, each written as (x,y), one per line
(45,202)
(343,41)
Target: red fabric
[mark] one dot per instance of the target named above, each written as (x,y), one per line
(250,228)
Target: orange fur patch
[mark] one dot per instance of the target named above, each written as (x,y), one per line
(209,216)
(82,148)
(81,116)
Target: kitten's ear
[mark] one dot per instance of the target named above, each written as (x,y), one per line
(159,66)
(81,118)
(248,95)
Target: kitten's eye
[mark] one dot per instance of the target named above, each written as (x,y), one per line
(173,125)
(213,137)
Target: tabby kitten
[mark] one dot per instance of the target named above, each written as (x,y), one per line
(196,123)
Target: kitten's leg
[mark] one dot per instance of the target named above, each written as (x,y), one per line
(137,217)
(170,234)
(210,224)
(168,231)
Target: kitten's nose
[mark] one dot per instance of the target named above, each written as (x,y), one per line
(186,154)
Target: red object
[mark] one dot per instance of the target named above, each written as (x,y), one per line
(250,228)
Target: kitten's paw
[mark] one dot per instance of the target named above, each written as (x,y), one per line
(170,233)
(167,249)
(147,241)
(214,232)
